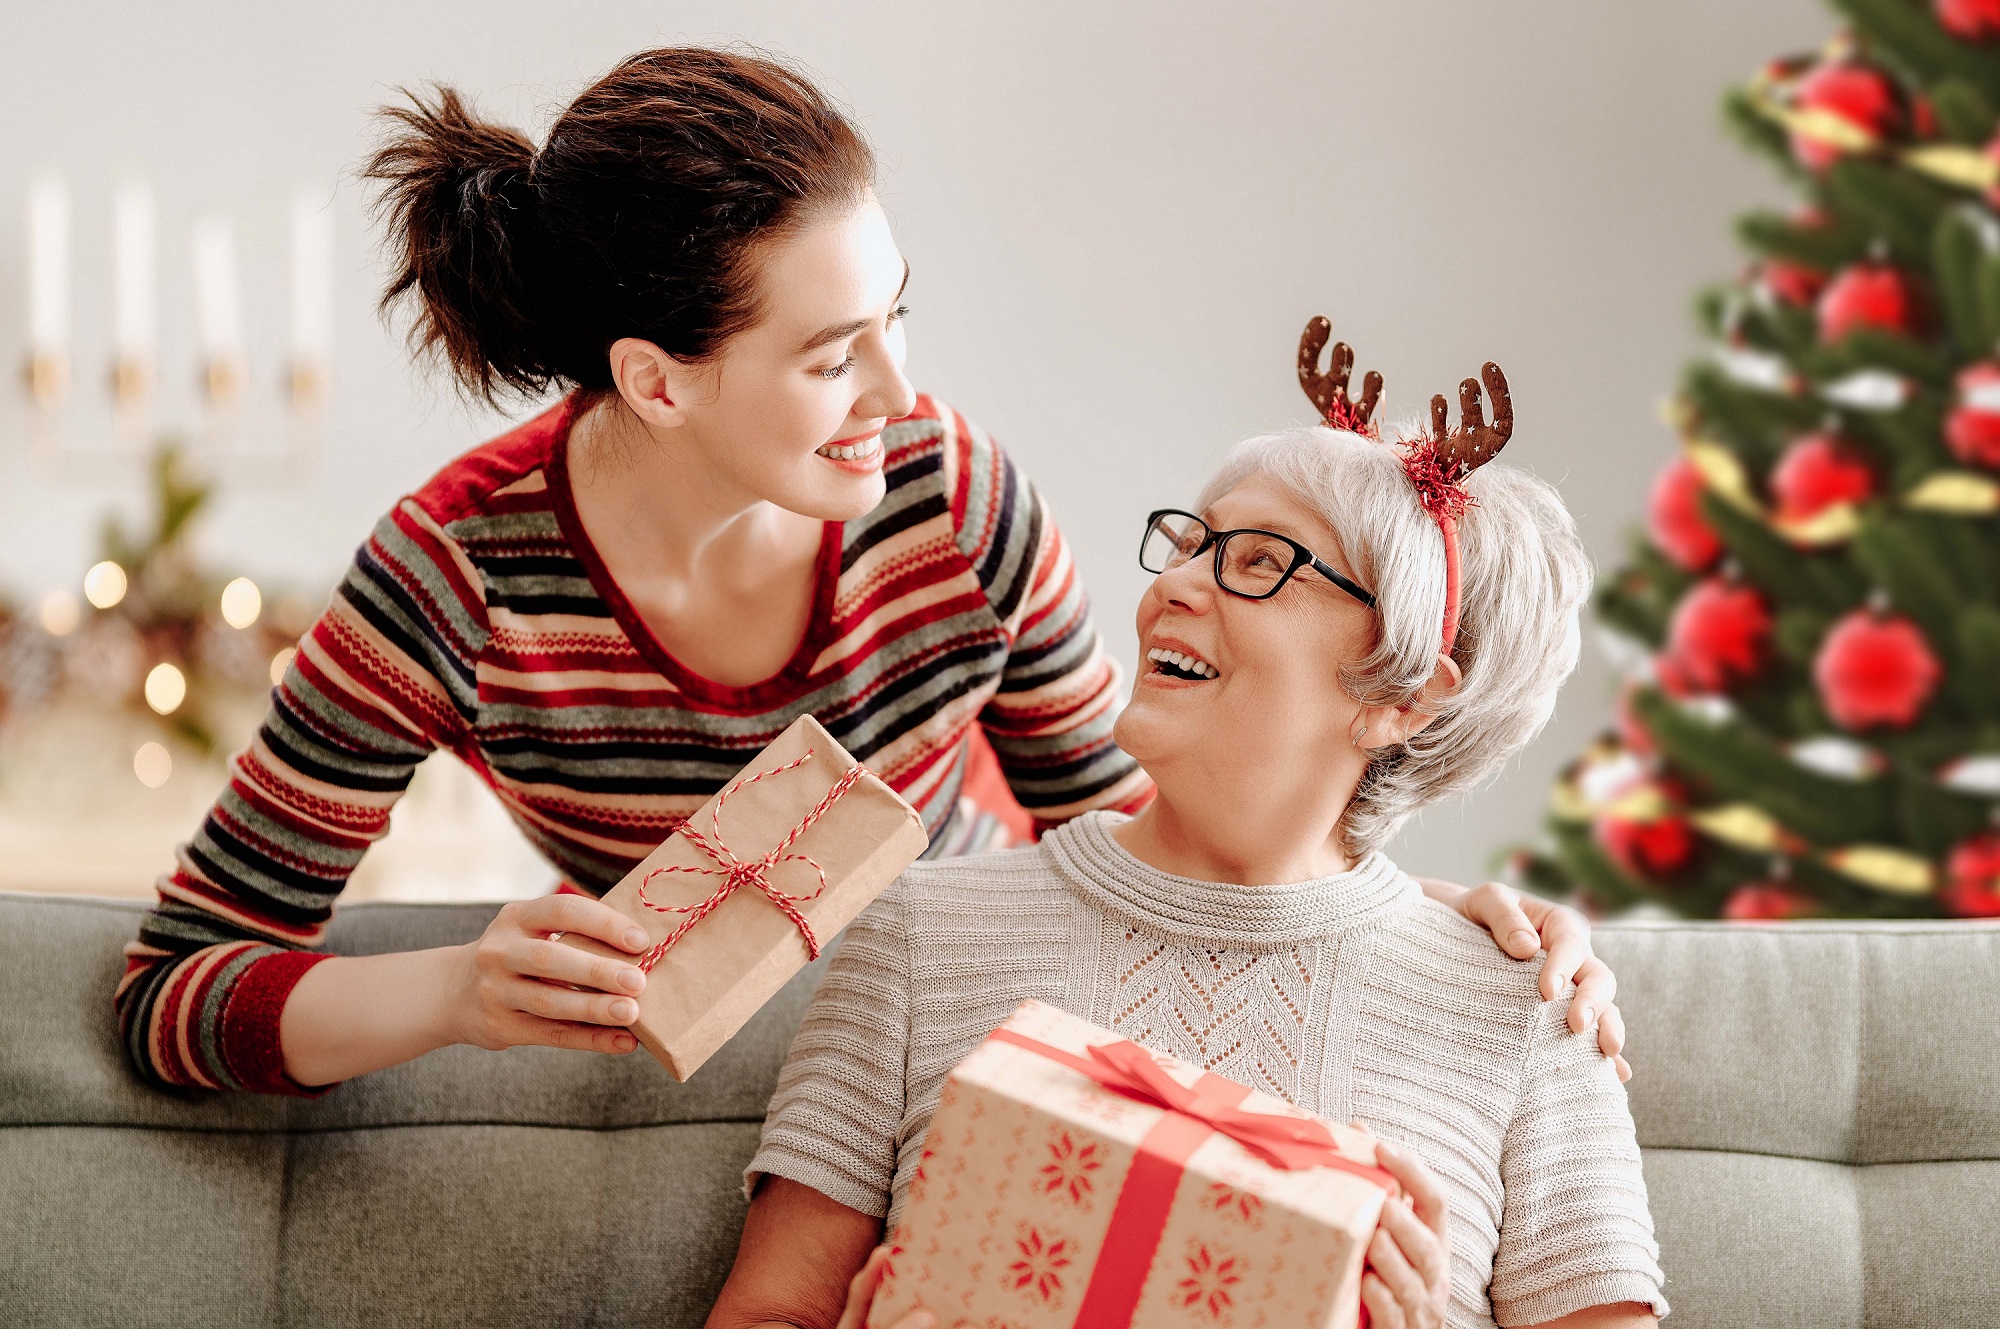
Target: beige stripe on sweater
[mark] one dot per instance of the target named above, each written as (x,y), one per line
(1352,996)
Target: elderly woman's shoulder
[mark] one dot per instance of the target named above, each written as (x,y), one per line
(996,884)
(1441,944)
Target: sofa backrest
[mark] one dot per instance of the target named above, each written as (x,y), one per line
(1819,1109)
(1818,1104)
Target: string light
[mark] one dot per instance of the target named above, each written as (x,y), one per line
(241,603)
(153,764)
(166,688)
(104,585)
(60,613)
(280,663)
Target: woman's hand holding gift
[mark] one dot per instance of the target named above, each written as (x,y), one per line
(516,986)
(1408,1281)
(1524,924)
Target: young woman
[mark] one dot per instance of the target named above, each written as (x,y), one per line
(740,511)
(1297,709)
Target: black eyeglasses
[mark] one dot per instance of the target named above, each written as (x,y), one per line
(1251,563)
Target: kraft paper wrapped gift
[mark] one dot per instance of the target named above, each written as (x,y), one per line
(734,900)
(1073,1178)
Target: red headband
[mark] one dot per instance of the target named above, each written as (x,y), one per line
(1436,463)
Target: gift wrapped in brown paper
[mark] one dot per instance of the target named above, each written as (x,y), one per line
(746,892)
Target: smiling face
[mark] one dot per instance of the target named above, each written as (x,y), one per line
(1240,697)
(791,410)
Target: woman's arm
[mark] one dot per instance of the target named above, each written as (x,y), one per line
(1050,721)
(1625,1315)
(351,1015)
(1525,924)
(222,987)
(800,1262)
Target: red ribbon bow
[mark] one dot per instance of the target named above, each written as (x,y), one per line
(1128,1070)
(1288,1143)
(737,873)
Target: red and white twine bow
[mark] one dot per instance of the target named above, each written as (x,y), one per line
(737,873)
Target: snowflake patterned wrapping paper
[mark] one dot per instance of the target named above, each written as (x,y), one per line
(740,897)
(1054,1190)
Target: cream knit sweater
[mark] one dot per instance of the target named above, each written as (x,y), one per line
(1352,996)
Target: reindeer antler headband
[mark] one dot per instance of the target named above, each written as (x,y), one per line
(1438,462)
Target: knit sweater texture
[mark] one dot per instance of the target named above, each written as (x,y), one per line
(478,619)
(1352,996)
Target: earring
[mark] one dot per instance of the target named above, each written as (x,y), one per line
(1355,739)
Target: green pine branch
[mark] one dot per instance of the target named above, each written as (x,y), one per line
(1964,113)
(1902,209)
(1825,248)
(1740,765)
(1756,132)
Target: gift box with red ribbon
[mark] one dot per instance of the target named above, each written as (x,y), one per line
(750,887)
(1075,1178)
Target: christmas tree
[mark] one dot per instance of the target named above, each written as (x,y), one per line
(1810,624)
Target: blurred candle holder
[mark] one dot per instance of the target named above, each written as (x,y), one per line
(135,294)
(48,293)
(246,379)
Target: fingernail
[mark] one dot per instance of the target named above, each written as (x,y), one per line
(1522,937)
(624,1010)
(635,939)
(631,980)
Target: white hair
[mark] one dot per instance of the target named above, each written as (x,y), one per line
(1524,579)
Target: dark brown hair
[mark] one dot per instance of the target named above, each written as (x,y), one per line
(638,218)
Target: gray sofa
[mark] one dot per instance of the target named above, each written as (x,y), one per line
(1819,1106)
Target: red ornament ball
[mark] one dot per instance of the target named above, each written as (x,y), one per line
(1969,20)
(1868,295)
(1973,428)
(1720,635)
(1653,848)
(1864,97)
(1764,901)
(1972,878)
(1673,518)
(1789,283)
(1875,669)
(1817,472)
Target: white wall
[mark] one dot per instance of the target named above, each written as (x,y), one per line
(1118,215)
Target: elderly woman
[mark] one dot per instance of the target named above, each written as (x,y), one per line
(1296,709)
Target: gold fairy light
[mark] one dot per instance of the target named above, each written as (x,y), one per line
(105,584)
(166,688)
(153,764)
(241,603)
(280,663)
(60,614)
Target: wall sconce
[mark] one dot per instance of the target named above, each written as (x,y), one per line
(48,293)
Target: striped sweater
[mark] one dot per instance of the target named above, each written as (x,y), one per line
(479,619)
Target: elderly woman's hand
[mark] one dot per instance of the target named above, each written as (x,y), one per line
(1524,924)
(1408,1282)
(861,1297)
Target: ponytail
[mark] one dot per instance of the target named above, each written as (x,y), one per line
(454,191)
(639,218)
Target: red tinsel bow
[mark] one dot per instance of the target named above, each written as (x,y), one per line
(737,873)
(1435,479)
